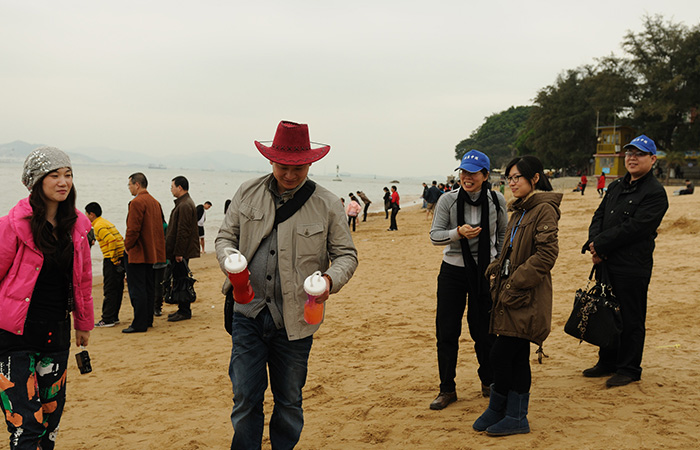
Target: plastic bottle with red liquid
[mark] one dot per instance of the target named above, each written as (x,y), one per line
(314,285)
(237,268)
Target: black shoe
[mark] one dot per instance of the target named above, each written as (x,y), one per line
(172,314)
(132,330)
(443,399)
(178,317)
(619,380)
(157,312)
(597,371)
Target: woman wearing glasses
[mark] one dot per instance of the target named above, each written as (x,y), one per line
(471,223)
(521,288)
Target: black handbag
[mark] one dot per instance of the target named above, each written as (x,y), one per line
(596,316)
(182,290)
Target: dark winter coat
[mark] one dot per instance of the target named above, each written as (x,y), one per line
(183,234)
(624,226)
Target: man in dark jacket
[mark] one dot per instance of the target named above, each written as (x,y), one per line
(621,240)
(182,240)
(431,198)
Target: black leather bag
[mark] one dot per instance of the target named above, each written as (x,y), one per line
(596,316)
(182,290)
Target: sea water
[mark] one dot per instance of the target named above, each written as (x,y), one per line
(107,185)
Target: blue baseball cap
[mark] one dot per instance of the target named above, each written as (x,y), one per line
(643,143)
(474,161)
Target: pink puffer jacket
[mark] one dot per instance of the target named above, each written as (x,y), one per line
(20,264)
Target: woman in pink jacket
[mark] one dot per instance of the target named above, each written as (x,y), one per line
(352,211)
(45,275)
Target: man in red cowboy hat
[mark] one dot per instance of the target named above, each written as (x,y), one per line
(287,227)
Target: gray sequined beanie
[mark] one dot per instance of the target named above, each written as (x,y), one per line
(42,161)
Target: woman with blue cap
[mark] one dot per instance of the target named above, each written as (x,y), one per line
(470,222)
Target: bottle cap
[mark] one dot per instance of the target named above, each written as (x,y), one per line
(235,262)
(315,284)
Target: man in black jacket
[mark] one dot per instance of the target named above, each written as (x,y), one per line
(182,239)
(621,240)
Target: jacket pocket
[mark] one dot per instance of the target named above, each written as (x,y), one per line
(310,239)
(629,208)
(250,212)
(516,298)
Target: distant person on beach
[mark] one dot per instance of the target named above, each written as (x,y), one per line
(353,210)
(144,243)
(112,247)
(181,241)
(471,223)
(45,275)
(621,241)
(689,189)
(201,218)
(521,289)
(601,184)
(367,202)
(287,227)
(394,208)
(424,195)
(433,195)
(584,182)
(387,202)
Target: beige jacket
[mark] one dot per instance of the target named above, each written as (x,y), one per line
(313,238)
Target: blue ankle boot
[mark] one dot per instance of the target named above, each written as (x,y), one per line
(494,413)
(515,421)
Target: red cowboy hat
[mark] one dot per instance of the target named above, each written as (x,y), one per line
(291,146)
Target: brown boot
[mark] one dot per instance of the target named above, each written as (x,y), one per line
(443,399)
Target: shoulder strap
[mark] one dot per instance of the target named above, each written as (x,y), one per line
(287,210)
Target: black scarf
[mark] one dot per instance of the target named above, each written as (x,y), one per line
(476,278)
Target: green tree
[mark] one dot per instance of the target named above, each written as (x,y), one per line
(666,57)
(562,126)
(563,123)
(497,136)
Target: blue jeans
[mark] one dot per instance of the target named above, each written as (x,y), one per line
(257,343)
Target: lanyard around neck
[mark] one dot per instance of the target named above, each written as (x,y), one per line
(515,230)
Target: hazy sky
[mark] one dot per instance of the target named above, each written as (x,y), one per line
(392,86)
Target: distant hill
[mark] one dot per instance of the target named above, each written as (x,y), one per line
(17,151)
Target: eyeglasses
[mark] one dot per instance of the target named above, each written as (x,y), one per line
(514,179)
(632,154)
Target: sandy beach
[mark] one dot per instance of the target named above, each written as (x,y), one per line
(373,366)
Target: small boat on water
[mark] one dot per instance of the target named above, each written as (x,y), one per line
(157,166)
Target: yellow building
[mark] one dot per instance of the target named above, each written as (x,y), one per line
(609,155)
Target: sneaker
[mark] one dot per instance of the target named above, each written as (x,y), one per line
(103,324)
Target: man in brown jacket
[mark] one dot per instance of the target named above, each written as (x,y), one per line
(145,245)
(182,240)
